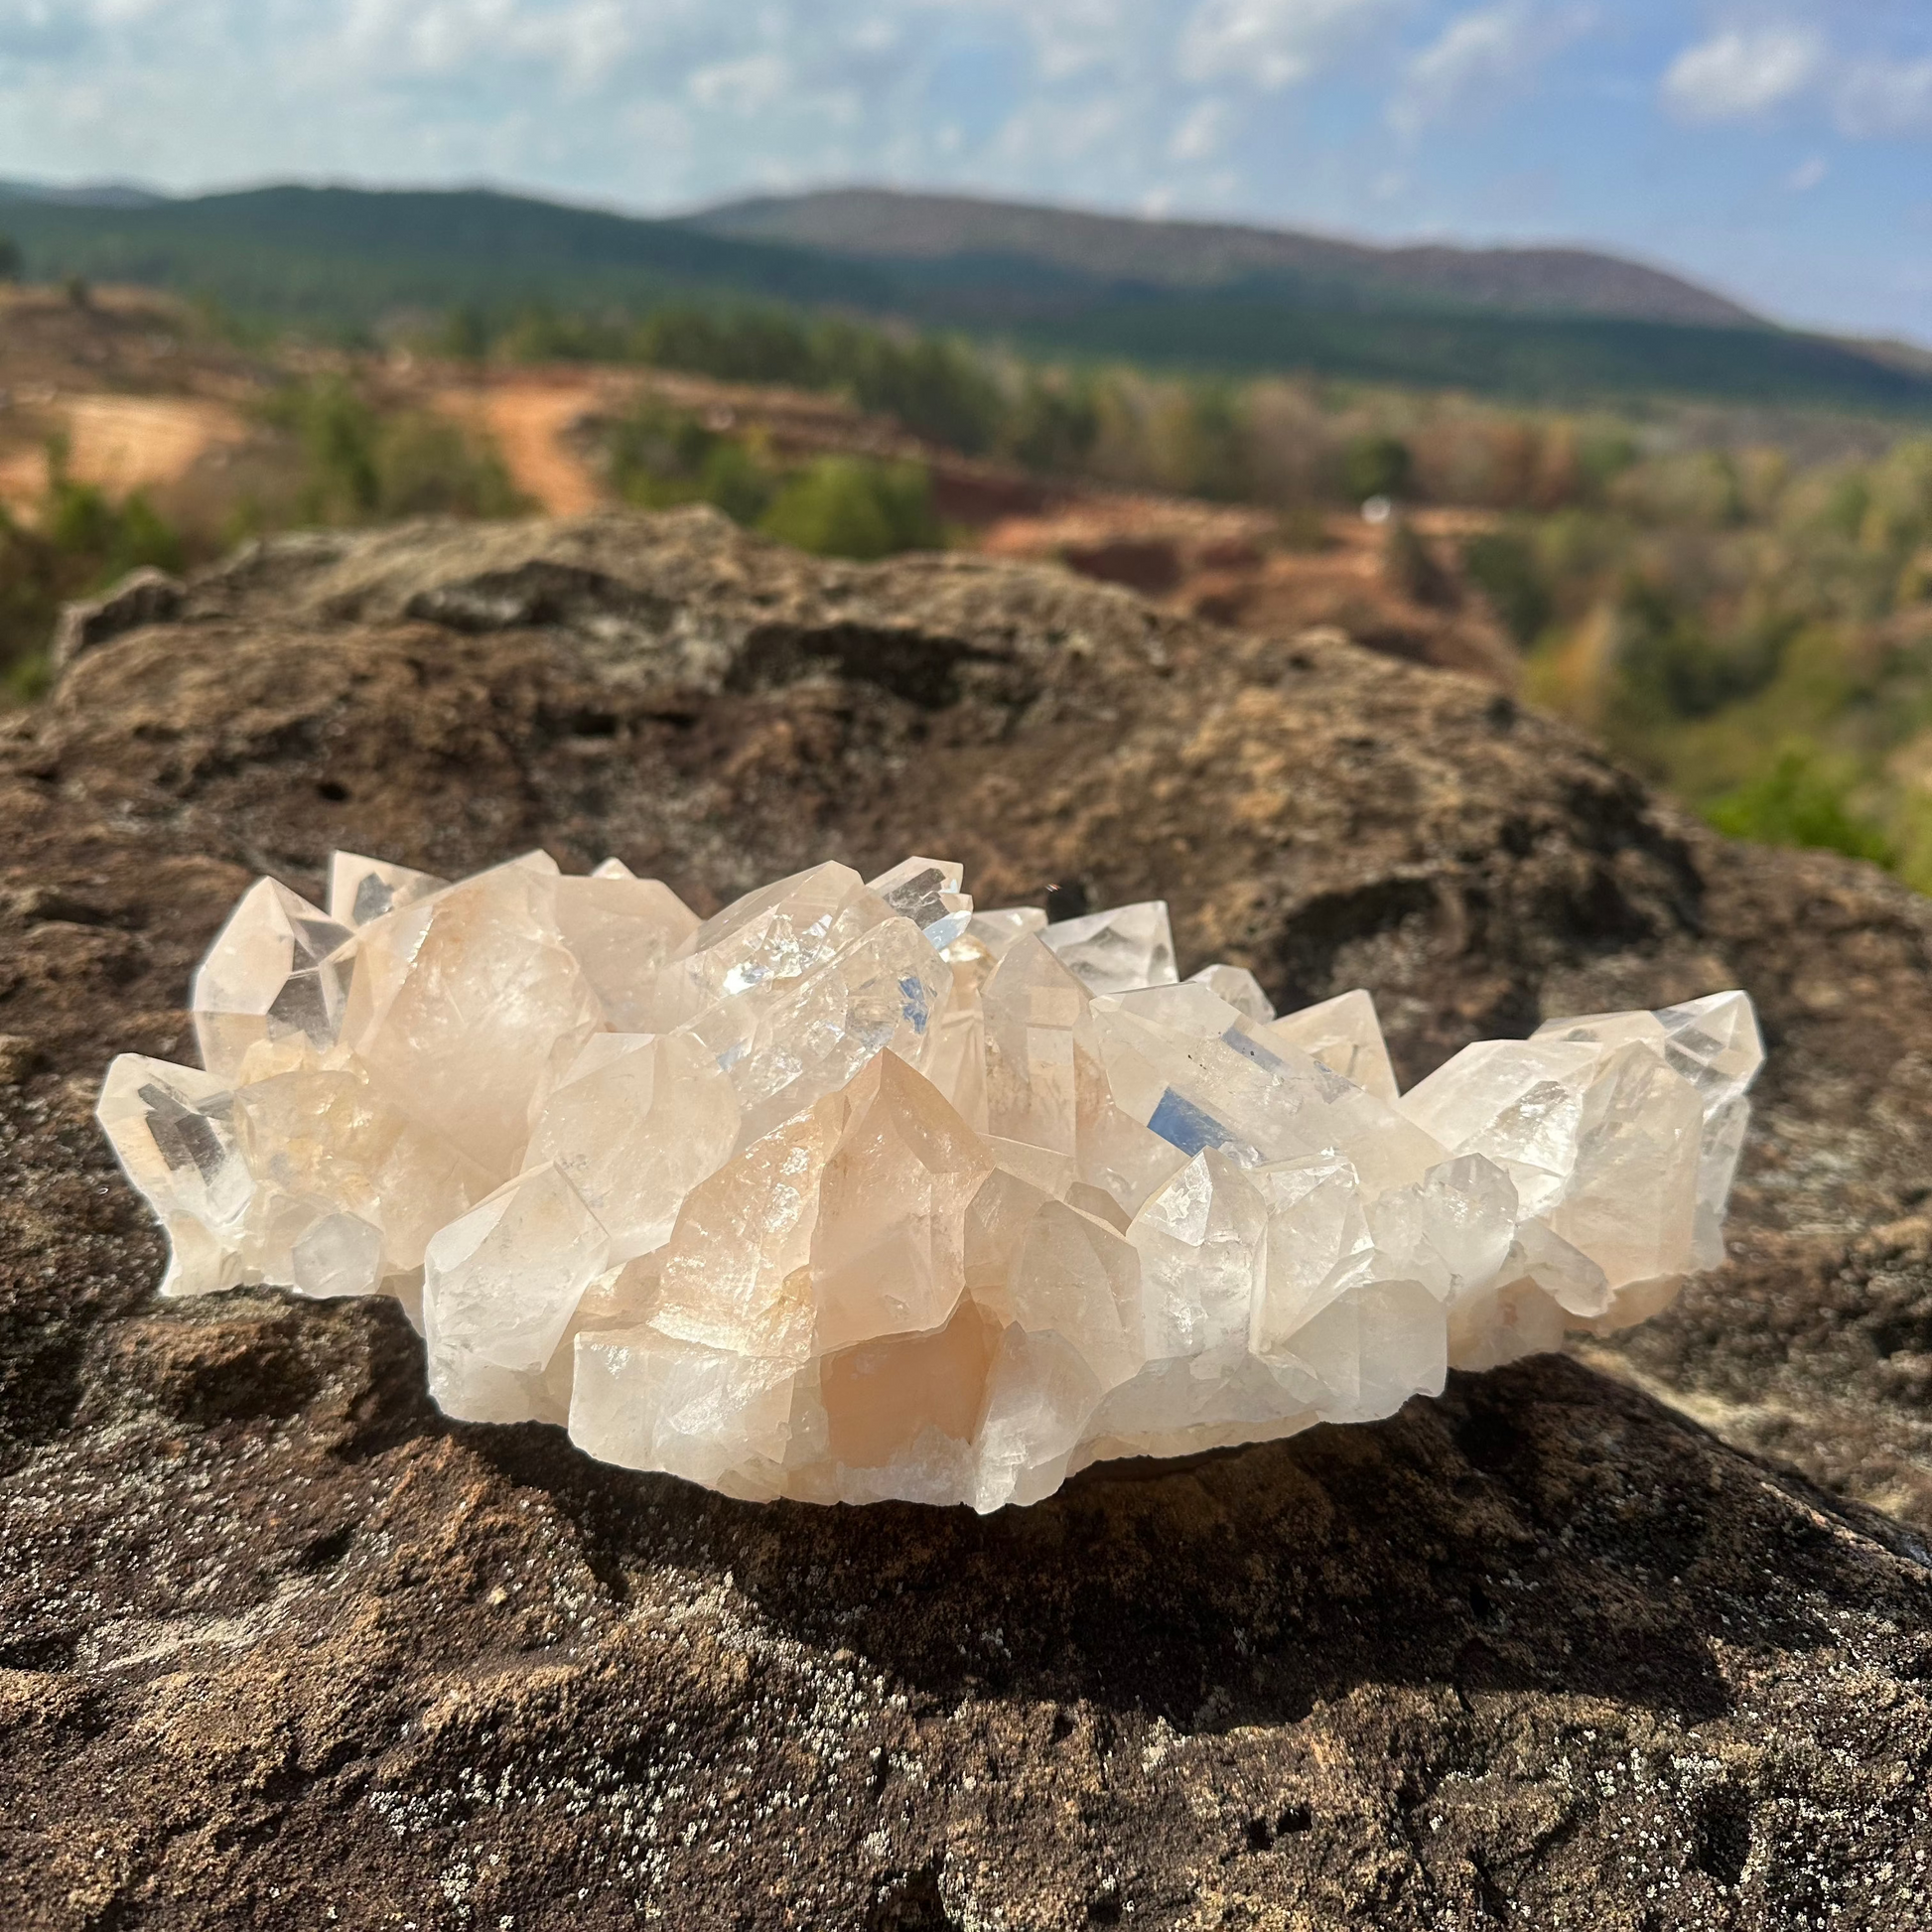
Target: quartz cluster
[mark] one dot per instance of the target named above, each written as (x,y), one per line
(852,1192)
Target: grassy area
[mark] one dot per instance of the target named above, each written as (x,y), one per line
(832,506)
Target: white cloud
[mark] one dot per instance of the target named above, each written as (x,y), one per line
(1482,52)
(1880,97)
(743,87)
(1202,132)
(1808,174)
(1743,71)
(1271,43)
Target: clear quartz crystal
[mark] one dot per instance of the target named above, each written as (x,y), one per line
(325,1146)
(622,930)
(1345,1035)
(1715,1044)
(852,1192)
(888,1246)
(501,1285)
(1113,952)
(459,1004)
(1038,1025)
(173,1128)
(362,890)
(926,892)
(987,939)
(272,972)
(1200,1075)
(1239,988)
(637,1122)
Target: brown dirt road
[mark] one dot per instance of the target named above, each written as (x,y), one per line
(527,421)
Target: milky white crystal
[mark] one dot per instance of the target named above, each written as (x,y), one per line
(852,1192)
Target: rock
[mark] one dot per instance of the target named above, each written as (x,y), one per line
(145,596)
(278,1638)
(20,1060)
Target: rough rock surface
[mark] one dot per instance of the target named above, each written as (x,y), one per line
(280,1646)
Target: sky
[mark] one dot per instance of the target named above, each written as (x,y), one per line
(1779,150)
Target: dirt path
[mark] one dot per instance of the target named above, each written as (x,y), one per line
(121,444)
(527,421)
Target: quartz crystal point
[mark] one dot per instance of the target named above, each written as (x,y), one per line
(271,973)
(362,890)
(1114,952)
(1715,1044)
(637,1122)
(173,1128)
(622,930)
(854,1192)
(1238,987)
(926,892)
(460,1005)
(1345,1035)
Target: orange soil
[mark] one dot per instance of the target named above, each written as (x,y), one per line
(527,420)
(122,444)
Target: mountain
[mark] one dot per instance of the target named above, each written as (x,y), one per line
(88,193)
(882,224)
(345,256)
(1546,326)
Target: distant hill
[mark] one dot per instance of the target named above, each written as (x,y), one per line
(882,224)
(1548,328)
(346,256)
(91,194)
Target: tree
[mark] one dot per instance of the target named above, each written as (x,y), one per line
(9,259)
(1377,466)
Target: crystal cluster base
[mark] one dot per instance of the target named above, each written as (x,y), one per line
(851,1192)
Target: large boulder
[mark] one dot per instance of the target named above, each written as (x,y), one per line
(1623,1639)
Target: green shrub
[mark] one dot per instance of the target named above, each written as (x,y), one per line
(98,540)
(1800,802)
(337,431)
(465,333)
(845,507)
(1670,665)
(1376,465)
(659,456)
(361,466)
(935,388)
(9,259)
(82,542)
(736,481)
(835,506)
(540,335)
(1504,566)
(731,346)
(1052,426)
(429,466)
(1215,457)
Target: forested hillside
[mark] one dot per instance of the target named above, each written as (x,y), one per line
(346,262)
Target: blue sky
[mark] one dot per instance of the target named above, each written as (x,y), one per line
(1778,149)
